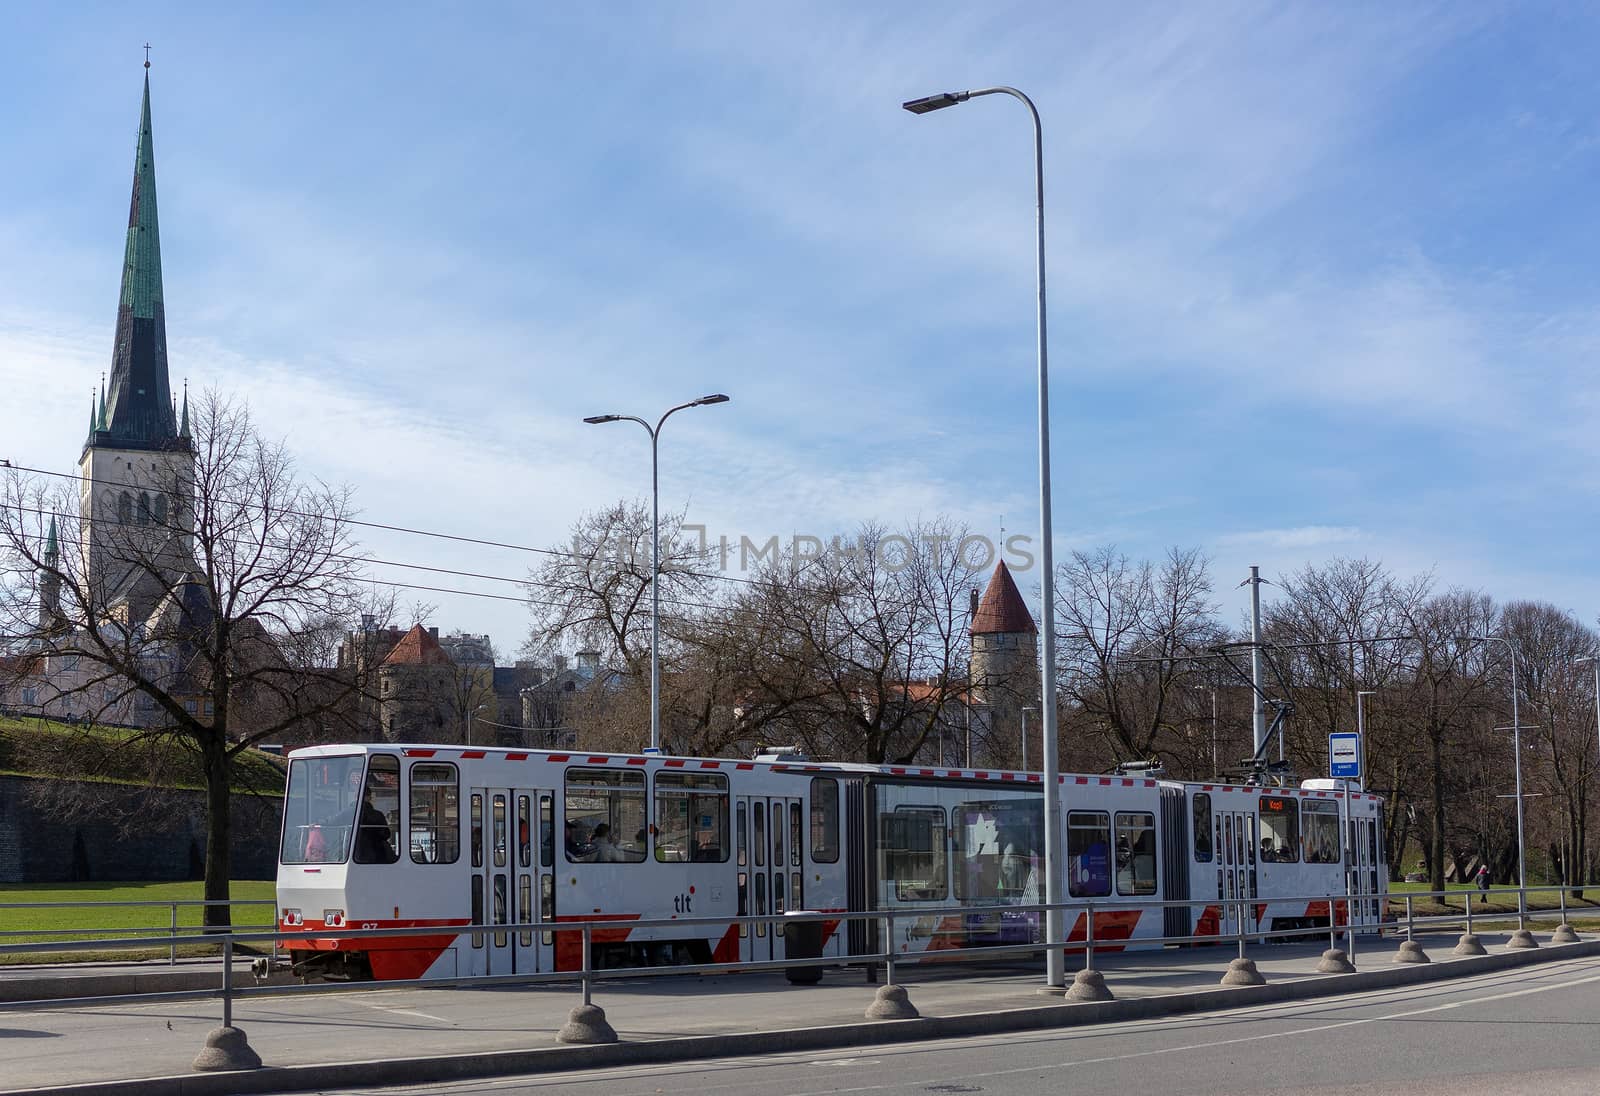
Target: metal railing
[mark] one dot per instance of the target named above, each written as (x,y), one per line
(175,933)
(1235,912)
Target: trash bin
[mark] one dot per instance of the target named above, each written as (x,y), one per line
(802,940)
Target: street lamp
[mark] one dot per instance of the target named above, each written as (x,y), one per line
(1516,740)
(470,714)
(655,548)
(1055,959)
(1361,736)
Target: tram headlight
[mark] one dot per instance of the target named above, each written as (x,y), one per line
(333,919)
(292,919)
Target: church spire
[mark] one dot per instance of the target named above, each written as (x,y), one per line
(51,550)
(138,410)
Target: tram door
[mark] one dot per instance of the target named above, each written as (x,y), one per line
(1236,865)
(767,841)
(1363,878)
(513,859)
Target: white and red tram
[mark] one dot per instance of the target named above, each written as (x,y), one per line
(440,837)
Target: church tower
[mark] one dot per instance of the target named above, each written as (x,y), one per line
(50,584)
(1004,667)
(137,467)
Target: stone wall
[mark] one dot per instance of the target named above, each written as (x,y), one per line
(62,831)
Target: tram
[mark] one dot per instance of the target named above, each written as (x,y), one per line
(437,838)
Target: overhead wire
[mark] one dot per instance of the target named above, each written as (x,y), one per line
(410,530)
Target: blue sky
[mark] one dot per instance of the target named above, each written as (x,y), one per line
(1321,276)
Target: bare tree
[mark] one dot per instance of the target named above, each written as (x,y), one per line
(867,654)
(1128,634)
(594,594)
(1558,695)
(204,618)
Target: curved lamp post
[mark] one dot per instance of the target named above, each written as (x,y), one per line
(655,548)
(470,714)
(1055,959)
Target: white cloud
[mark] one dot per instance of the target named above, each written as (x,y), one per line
(1292,540)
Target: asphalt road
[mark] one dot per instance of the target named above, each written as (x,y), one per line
(1534,1030)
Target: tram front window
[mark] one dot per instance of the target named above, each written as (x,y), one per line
(319,809)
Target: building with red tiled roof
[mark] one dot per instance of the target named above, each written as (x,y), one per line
(418,647)
(421,691)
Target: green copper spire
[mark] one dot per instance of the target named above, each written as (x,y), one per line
(51,551)
(100,423)
(138,409)
(183,426)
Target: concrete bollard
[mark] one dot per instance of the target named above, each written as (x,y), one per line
(1243,972)
(587,1025)
(891,1003)
(1335,961)
(1522,938)
(1410,952)
(226,1049)
(1564,934)
(1469,944)
(1088,985)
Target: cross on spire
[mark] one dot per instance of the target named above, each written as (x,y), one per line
(147,55)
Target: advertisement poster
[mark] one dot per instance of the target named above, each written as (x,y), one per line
(1090,871)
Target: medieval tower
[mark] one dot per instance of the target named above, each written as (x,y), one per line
(1004,670)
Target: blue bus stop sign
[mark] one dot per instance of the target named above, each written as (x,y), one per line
(1344,755)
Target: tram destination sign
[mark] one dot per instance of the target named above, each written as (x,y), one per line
(1344,755)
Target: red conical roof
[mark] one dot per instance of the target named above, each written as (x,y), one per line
(418,647)
(1002,608)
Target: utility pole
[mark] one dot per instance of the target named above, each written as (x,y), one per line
(1259,712)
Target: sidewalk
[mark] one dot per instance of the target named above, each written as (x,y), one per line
(370,1036)
(55,981)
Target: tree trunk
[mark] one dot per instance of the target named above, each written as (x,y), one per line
(219,832)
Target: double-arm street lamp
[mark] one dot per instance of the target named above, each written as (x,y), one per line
(1055,959)
(655,548)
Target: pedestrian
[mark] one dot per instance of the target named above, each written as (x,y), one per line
(1483,878)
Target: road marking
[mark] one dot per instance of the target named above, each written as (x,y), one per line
(411,1012)
(1220,1042)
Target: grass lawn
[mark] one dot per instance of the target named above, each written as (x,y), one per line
(1498,905)
(47,748)
(111,921)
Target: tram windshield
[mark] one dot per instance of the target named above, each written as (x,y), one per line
(319,809)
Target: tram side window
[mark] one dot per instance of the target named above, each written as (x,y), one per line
(1321,831)
(1088,854)
(605,810)
(824,820)
(435,836)
(692,817)
(1136,852)
(1280,830)
(1202,828)
(378,817)
(911,853)
(999,846)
